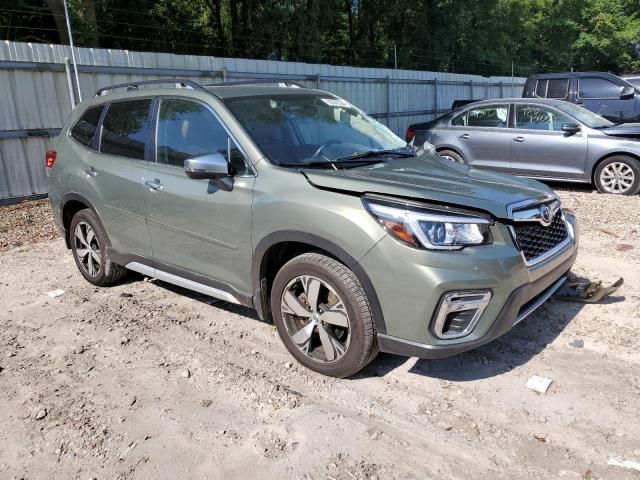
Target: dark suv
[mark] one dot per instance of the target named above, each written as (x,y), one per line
(603,93)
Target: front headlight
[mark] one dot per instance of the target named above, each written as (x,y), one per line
(420,227)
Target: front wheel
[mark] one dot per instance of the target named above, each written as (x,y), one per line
(619,175)
(323,316)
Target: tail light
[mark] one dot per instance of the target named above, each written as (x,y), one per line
(410,135)
(49,159)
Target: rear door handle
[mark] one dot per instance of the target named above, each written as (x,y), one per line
(519,139)
(153,185)
(90,172)
(466,136)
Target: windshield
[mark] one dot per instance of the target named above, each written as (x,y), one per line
(292,129)
(585,116)
(633,81)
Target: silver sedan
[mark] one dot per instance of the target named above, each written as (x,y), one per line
(538,138)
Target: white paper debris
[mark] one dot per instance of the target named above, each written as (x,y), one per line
(55,293)
(624,463)
(539,384)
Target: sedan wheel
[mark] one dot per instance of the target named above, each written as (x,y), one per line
(617,177)
(316,319)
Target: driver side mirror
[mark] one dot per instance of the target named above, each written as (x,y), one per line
(627,92)
(570,128)
(212,166)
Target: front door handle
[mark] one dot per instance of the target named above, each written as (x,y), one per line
(519,139)
(466,136)
(90,172)
(154,184)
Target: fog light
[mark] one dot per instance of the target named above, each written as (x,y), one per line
(459,312)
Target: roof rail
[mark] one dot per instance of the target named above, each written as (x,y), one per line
(256,82)
(135,85)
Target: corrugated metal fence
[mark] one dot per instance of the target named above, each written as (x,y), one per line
(35,98)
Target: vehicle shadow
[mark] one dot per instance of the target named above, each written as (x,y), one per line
(517,347)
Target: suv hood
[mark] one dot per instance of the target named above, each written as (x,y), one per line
(431,178)
(623,130)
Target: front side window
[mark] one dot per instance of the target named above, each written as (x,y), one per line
(535,117)
(292,129)
(187,130)
(85,130)
(125,128)
(594,87)
(493,116)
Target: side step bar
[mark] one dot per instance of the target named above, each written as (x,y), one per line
(181,282)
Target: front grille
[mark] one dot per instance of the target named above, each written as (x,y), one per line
(535,240)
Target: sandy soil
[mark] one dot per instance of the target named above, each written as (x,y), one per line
(145,380)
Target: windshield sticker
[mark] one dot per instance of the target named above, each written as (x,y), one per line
(336,102)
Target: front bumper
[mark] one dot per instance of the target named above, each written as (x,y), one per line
(409,298)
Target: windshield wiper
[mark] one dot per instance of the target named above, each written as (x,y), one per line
(408,152)
(335,164)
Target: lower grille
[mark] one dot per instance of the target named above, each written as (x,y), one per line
(535,240)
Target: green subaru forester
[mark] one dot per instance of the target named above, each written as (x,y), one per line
(296,203)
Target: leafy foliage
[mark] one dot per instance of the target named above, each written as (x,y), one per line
(481,36)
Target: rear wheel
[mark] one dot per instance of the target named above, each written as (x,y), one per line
(89,244)
(451,155)
(619,175)
(323,316)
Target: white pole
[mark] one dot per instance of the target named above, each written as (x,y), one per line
(73,54)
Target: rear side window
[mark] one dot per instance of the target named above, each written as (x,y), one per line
(541,88)
(594,87)
(495,116)
(552,88)
(125,128)
(459,120)
(558,88)
(85,130)
(188,129)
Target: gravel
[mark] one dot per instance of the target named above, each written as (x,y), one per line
(122,409)
(24,223)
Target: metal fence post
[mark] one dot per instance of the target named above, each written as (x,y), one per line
(72,94)
(318,81)
(471,86)
(502,89)
(435,98)
(388,101)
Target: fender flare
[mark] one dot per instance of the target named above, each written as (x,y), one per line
(74,196)
(318,242)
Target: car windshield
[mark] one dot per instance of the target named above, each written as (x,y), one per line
(585,116)
(633,81)
(304,129)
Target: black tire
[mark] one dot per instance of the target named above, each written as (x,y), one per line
(362,344)
(105,272)
(631,169)
(451,155)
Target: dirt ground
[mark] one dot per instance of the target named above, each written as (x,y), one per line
(145,380)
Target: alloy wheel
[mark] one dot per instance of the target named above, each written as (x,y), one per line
(316,319)
(87,249)
(617,177)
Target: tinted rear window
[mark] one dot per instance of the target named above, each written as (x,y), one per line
(125,128)
(85,130)
(558,88)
